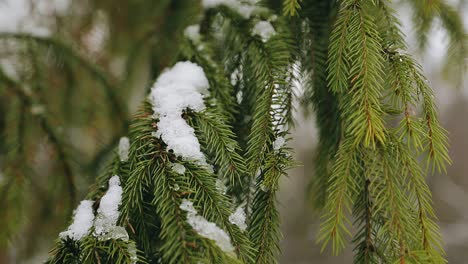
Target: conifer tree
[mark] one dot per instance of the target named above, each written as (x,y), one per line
(194,174)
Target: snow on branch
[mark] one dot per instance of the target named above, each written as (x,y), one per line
(238,218)
(82,221)
(243,8)
(205,228)
(264,29)
(105,225)
(178,88)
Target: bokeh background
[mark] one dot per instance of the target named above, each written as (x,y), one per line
(130,42)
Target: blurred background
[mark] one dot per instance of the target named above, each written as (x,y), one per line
(86,71)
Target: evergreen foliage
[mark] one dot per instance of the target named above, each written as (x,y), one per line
(379,135)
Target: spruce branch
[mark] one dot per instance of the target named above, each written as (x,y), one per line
(266,65)
(410,87)
(265,232)
(362,112)
(67,252)
(390,27)
(343,187)
(405,96)
(387,186)
(110,251)
(430,240)
(367,248)
(197,184)
(338,65)
(216,208)
(271,65)
(221,90)
(264,227)
(436,140)
(266,86)
(138,209)
(220,143)
(179,243)
(150,175)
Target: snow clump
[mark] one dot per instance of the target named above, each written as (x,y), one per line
(205,228)
(238,218)
(278,143)
(243,8)
(105,224)
(178,88)
(264,29)
(82,221)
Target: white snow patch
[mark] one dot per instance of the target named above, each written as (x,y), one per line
(187,206)
(238,218)
(235,76)
(178,168)
(205,228)
(259,172)
(181,87)
(193,33)
(278,143)
(124,147)
(240,96)
(105,224)
(215,3)
(243,8)
(10,63)
(82,221)
(220,186)
(264,29)
(132,250)
(209,167)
